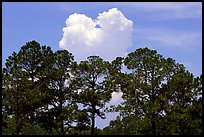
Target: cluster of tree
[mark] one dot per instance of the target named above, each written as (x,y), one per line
(48,93)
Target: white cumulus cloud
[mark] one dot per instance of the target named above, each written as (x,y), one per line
(116,97)
(109,35)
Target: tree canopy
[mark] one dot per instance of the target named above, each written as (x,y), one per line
(48,93)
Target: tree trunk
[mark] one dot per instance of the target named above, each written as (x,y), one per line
(17,113)
(93,122)
(61,107)
(17,124)
(153,117)
(61,119)
(154,124)
(93,109)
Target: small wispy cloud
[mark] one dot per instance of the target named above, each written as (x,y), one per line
(166,10)
(169,38)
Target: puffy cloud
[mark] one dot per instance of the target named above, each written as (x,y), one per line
(108,36)
(116,97)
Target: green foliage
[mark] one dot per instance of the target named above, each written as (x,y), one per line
(42,90)
(29,129)
(89,83)
(157,94)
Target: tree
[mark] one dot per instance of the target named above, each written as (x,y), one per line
(36,61)
(60,93)
(89,80)
(46,92)
(159,95)
(142,86)
(184,95)
(12,103)
(63,104)
(21,93)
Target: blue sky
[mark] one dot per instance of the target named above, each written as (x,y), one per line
(173,29)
